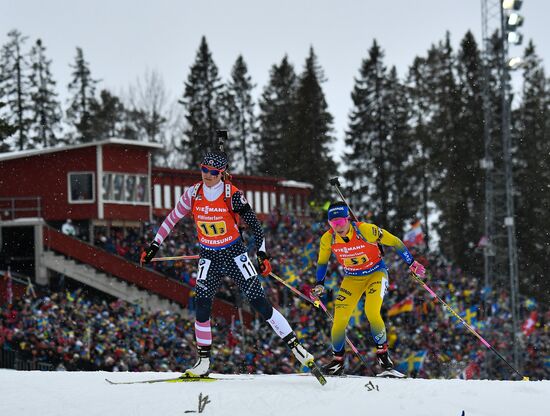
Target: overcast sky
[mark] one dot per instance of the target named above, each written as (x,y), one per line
(121,39)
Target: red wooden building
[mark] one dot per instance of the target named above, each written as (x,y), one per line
(107,183)
(95,182)
(113,182)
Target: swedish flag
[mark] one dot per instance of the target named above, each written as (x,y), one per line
(469,315)
(308,256)
(290,275)
(547,362)
(414,362)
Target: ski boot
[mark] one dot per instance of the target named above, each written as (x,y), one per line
(336,366)
(304,357)
(201,369)
(386,363)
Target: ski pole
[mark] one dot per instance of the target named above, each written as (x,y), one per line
(466,324)
(317,303)
(192,257)
(336,183)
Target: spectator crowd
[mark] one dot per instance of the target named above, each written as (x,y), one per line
(77,330)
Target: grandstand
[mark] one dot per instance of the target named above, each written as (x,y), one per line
(93,307)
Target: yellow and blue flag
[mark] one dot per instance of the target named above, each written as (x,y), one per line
(290,275)
(308,256)
(414,362)
(469,315)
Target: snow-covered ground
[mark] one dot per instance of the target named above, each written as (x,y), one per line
(87,394)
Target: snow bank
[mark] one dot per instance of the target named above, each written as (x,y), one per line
(87,394)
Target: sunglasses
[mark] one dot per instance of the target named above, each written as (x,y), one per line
(338,222)
(212,171)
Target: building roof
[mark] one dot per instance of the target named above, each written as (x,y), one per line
(296,184)
(37,152)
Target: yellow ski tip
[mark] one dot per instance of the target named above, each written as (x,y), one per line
(525,378)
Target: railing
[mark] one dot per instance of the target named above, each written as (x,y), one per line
(20,207)
(123,269)
(11,359)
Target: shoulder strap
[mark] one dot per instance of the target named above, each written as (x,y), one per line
(196,190)
(194,194)
(359,235)
(227,191)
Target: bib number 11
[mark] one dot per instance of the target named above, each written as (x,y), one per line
(245,266)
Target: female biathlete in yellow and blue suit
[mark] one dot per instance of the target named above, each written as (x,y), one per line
(355,245)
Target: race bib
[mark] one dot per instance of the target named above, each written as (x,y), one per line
(212,229)
(245,266)
(356,261)
(204,265)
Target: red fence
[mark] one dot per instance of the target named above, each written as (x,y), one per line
(117,266)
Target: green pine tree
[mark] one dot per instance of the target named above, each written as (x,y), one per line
(108,117)
(402,179)
(6,130)
(380,143)
(82,88)
(423,171)
(532,175)
(45,108)
(201,100)
(469,151)
(308,155)
(239,119)
(275,119)
(15,89)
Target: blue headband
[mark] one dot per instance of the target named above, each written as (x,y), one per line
(340,211)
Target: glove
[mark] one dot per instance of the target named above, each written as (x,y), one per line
(318,290)
(418,269)
(148,254)
(263,263)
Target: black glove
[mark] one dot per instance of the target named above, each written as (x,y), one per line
(263,263)
(150,252)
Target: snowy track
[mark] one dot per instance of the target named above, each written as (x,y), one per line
(87,394)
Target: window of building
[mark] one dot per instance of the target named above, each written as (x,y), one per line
(81,187)
(142,189)
(158,196)
(125,188)
(258,201)
(118,188)
(130,188)
(167,195)
(250,198)
(107,187)
(265,198)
